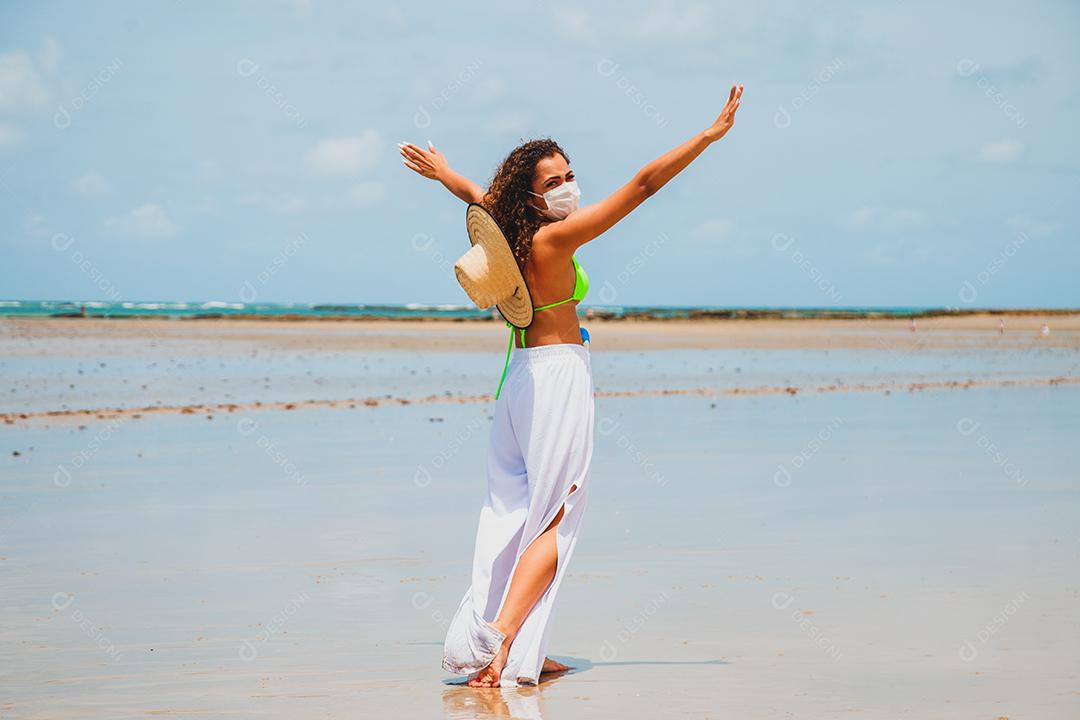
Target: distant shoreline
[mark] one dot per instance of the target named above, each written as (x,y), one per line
(457,314)
(999,331)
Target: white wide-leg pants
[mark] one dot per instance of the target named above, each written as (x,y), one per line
(540,447)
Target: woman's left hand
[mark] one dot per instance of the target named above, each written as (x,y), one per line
(430,163)
(727,115)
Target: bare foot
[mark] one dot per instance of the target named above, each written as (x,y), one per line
(489,676)
(551,666)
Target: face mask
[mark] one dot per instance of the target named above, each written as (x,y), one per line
(561,201)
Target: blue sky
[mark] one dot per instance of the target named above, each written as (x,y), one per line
(892,153)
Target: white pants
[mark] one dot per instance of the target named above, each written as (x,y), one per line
(541,446)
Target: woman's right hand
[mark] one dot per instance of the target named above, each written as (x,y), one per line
(430,163)
(727,116)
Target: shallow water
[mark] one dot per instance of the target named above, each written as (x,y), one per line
(868,554)
(132,374)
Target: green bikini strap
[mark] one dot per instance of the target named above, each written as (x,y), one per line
(551,305)
(506,363)
(577,270)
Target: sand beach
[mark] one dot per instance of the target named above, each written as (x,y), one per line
(790,518)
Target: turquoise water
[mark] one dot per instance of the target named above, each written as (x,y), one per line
(218,308)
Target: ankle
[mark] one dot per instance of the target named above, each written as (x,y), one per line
(506,629)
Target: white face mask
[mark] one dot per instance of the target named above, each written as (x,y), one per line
(561,201)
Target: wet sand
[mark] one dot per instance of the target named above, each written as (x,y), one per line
(898,536)
(84,369)
(969,330)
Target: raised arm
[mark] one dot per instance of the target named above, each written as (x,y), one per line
(432,164)
(592,221)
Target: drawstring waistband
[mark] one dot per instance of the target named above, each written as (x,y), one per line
(533,354)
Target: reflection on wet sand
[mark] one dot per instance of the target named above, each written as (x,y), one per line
(461,702)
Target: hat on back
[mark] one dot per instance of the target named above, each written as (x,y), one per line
(489,273)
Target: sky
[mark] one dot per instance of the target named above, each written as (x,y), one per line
(885,153)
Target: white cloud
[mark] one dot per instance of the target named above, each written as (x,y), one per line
(359,195)
(713,230)
(904,219)
(506,123)
(489,89)
(147,220)
(667,20)
(289,203)
(20,85)
(878,254)
(90,185)
(34,225)
(11,136)
(897,220)
(1034,228)
(51,54)
(861,217)
(889,250)
(286,203)
(210,172)
(1000,152)
(366,194)
(343,157)
(573,22)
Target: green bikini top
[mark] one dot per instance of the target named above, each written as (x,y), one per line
(581,287)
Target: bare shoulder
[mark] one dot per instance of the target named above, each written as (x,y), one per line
(548,263)
(542,237)
(546,250)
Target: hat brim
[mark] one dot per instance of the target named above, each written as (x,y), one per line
(516,309)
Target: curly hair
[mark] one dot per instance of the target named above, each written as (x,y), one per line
(507,196)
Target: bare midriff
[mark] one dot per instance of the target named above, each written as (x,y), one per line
(553,326)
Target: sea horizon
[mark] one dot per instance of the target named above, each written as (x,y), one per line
(223,309)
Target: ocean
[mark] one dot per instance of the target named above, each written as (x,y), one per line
(224,309)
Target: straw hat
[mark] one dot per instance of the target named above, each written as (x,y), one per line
(488,272)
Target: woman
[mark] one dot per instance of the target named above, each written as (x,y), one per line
(541,437)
